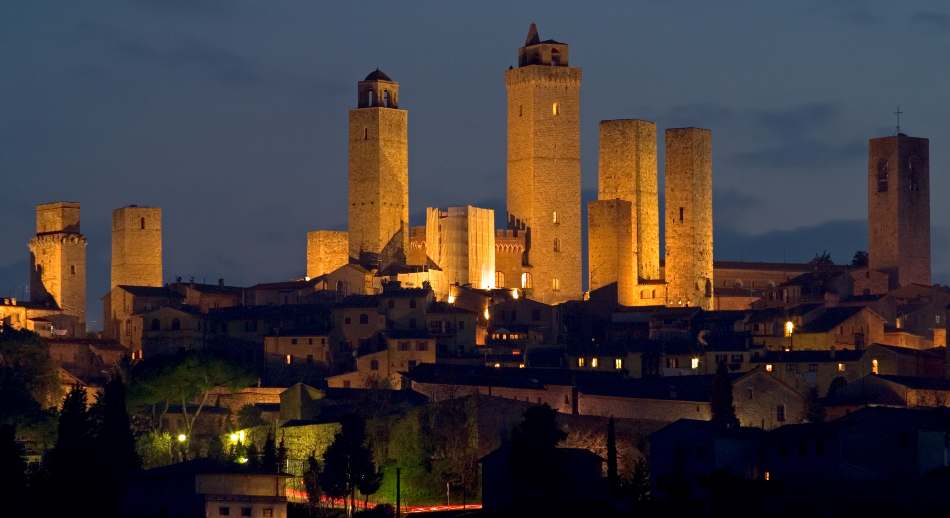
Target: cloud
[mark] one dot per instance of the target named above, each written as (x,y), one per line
(189,54)
(191,7)
(733,207)
(800,119)
(931,19)
(802,155)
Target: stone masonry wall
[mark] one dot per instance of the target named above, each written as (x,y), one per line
(327,250)
(610,239)
(136,247)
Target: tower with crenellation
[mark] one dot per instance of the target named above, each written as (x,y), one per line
(544,170)
(136,247)
(58,261)
(378,169)
(689,223)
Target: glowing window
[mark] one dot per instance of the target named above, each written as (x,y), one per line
(289,359)
(767,475)
(555,109)
(556,284)
(593,363)
(526,283)
(875,367)
(694,363)
(580,362)
(618,363)
(789,328)
(768,367)
(499,279)
(554,217)
(840,367)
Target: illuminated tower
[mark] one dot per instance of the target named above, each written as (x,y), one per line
(899,208)
(58,261)
(136,246)
(379,168)
(627,171)
(544,170)
(689,226)
(461,240)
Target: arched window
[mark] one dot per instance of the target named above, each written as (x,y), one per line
(554,217)
(156,324)
(708,288)
(499,279)
(555,57)
(526,281)
(882,174)
(386,98)
(176,324)
(557,245)
(556,284)
(142,223)
(369,98)
(555,109)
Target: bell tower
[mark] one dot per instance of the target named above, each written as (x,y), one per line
(378,169)
(544,169)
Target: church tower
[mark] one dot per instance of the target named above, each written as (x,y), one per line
(544,169)
(689,223)
(379,169)
(899,208)
(136,247)
(58,261)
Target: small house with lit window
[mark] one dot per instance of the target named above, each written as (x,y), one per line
(382,363)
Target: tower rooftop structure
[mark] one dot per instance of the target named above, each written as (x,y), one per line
(377,75)
(537,52)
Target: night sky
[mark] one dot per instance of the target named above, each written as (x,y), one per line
(231,114)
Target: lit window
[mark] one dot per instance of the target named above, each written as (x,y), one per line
(768,367)
(526,281)
(520,365)
(554,217)
(555,109)
(580,362)
(840,367)
(556,284)
(875,367)
(694,363)
(789,328)
(767,475)
(593,363)
(618,363)
(289,359)
(497,365)
(499,279)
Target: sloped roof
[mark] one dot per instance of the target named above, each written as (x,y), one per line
(831,318)
(377,75)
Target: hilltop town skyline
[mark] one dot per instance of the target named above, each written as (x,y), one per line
(209,234)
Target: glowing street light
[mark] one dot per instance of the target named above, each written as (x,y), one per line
(514,294)
(487,314)
(182,437)
(233,437)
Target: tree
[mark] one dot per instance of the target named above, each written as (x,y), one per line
(837,385)
(815,411)
(311,481)
(12,470)
(253,456)
(269,455)
(249,416)
(216,448)
(281,456)
(113,440)
(348,463)
(29,380)
(639,485)
(612,480)
(182,379)
(533,457)
(860,258)
(71,463)
(821,261)
(723,410)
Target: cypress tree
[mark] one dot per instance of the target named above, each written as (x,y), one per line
(612,478)
(723,410)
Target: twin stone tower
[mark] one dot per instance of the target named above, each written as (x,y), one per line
(540,249)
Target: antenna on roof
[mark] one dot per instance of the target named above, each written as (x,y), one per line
(898,113)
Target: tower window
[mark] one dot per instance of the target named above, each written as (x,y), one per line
(365,133)
(386,98)
(526,281)
(555,57)
(142,223)
(556,284)
(556,109)
(72,269)
(557,245)
(882,175)
(176,324)
(369,98)
(554,217)
(499,279)
(913,174)
(520,110)
(681,214)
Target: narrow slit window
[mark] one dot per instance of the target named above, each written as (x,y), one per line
(681,214)
(556,109)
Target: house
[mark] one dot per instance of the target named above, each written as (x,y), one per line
(207,488)
(903,361)
(380,364)
(805,370)
(301,346)
(123,302)
(169,329)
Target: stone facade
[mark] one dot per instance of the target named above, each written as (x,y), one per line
(899,208)
(510,267)
(417,246)
(136,246)
(461,240)
(544,171)
(58,262)
(610,244)
(378,168)
(327,250)
(689,224)
(627,171)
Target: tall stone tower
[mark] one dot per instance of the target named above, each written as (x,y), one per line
(689,224)
(610,247)
(627,171)
(899,208)
(136,246)
(461,240)
(544,169)
(379,168)
(58,261)
(327,250)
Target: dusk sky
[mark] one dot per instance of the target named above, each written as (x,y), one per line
(231,115)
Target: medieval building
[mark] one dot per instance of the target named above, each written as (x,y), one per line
(136,246)
(461,240)
(58,262)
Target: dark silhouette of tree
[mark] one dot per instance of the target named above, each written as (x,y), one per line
(71,464)
(860,258)
(253,456)
(837,385)
(723,410)
(29,381)
(311,481)
(639,486)
(249,416)
(815,411)
(216,448)
(12,471)
(269,454)
(114,441)
(281,456)
(348,463)
(612,478)
(821,261)
(533,457)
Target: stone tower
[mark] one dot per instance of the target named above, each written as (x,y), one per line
(899,208)
(461,240)
(544,170)
(327,250)
(58,261)
(379,168)
(689,225)
(136,246)
(627,171)
(610,243)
